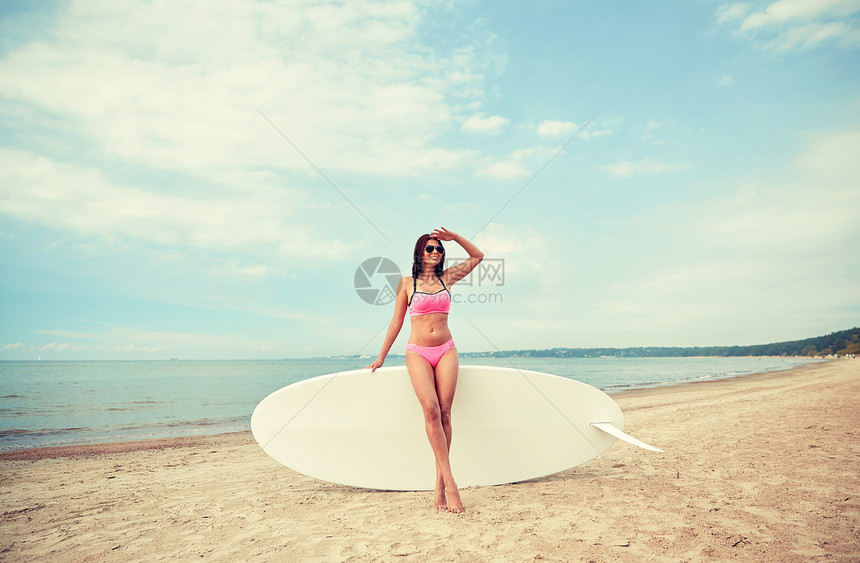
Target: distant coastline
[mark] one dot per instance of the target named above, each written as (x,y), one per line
(842,343)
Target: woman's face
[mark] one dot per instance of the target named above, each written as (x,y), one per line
(436,256)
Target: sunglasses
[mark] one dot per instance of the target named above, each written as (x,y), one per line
(430,248)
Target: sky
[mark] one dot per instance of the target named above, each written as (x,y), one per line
(215,180)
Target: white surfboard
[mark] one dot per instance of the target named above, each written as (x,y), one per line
(366,429)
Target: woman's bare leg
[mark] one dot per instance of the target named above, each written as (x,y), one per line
(447,371)
(445,395)
(424,382)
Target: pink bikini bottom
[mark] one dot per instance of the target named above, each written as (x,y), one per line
(431,353)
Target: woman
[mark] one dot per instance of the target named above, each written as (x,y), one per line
(431,357)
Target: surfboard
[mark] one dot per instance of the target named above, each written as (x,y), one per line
(366,429)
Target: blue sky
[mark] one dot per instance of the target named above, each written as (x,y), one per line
(179,180)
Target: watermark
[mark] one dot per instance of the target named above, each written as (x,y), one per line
(490,272)
(376,280)
(477,298)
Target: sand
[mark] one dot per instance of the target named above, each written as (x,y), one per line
(758,468)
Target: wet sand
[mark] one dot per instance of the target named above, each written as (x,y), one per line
(763,467)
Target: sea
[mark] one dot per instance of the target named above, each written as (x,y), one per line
(59,403)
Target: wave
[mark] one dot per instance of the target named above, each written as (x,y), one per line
(680,380)
(21,438)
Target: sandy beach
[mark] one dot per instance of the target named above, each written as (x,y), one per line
(758,468)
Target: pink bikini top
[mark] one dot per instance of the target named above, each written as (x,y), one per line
(424,303)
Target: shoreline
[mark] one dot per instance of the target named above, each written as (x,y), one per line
(683,385)
(757,467)
(197,440)
(119,447)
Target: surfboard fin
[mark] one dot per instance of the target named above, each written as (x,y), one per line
(612,430)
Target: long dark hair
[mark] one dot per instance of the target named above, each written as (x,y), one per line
(418,257)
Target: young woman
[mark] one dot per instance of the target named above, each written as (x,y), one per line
(431,357)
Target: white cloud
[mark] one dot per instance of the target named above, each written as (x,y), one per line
(477,123)
(13,346)
(63,347)
(181,92)
(726,80)
(732,12)
(136,348)
(833,155)
(795,25)
(652,131)
(550,128)
(524,250)
(66,333)
(503,170)
(646,166)
(517,164)
(553,128)
(753,254)
(84,202)
(127,339)
(595,134)
(808,36)
(785,11)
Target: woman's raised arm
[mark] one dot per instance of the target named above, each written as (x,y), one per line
(455,273)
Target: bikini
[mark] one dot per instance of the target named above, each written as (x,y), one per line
(423,303)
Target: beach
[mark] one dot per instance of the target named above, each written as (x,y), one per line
(760,467)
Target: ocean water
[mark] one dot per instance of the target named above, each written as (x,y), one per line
(50,403)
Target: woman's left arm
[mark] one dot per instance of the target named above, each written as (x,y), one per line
(455,273)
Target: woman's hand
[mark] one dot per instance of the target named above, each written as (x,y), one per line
(455,273)
(377,363)
(443,234)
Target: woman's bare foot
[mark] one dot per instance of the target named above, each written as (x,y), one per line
(455,504)
(440,502)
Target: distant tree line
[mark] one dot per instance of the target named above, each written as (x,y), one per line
(838,343)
